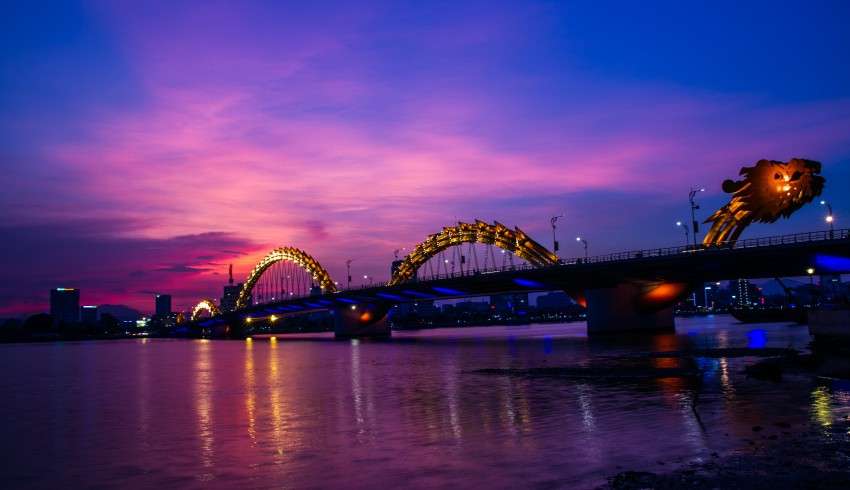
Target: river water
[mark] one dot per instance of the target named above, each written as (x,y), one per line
(311,412)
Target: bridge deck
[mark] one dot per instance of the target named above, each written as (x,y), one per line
(778,256)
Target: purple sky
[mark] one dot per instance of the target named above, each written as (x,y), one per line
(146,145)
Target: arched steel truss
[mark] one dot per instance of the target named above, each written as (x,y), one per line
(514,241)
(205,305)
(290,254)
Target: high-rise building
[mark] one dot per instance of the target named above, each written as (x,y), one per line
(742,292)
(228,299)
(231,293)
(163,305)
(88,314)
(65,305)
(746,293)
(710,295)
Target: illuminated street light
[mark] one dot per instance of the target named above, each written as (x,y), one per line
(583,242)
(811,273)
(273,318)
(829,216)
(685,229)
(348,270)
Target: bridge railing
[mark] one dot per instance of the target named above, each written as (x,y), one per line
(808,237)
(814,236)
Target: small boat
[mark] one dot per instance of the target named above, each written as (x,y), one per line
(770,314)
(830,322)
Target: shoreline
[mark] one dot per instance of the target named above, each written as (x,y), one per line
(777,458)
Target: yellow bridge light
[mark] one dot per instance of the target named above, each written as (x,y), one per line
(286,254)
(207,305)
(514,241)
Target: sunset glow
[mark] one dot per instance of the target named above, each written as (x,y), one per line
(145,152)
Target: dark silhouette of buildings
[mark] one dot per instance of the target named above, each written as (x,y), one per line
(65,305)
(509,303)
(231,293)
(554,301)
(163,305)
(88,315)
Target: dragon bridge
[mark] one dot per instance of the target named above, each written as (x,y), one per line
(514,241)
(286,254)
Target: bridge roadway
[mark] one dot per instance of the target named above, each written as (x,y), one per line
(624,291)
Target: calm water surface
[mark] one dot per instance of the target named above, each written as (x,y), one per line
(317,413)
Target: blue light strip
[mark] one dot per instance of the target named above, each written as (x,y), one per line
(417,294)
(390,296)
(832,263)
(528,283)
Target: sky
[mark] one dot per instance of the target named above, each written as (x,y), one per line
(144,146)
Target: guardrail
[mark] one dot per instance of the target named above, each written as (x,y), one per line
(771,241)
(814,236)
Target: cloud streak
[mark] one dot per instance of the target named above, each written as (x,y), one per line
(354,134)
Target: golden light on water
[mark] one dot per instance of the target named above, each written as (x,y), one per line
(821,411)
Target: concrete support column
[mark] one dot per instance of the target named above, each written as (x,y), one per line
(617,310)
(361,321)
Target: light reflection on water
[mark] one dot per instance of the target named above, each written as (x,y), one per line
(410,412)
(203,382)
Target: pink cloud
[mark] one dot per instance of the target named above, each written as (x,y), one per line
(285,135)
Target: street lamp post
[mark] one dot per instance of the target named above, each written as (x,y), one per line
(554,220)
(685,229)
(366,276)
(830,219)
(811,273)
(348,270)
(694,207)
(583,242)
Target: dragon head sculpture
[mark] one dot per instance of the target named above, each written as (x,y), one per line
(769,190)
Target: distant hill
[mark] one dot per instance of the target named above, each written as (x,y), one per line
(120,312)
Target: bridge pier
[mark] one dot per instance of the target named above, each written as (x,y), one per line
(619,310)
(361,321)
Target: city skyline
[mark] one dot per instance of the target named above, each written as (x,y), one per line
(146,154)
